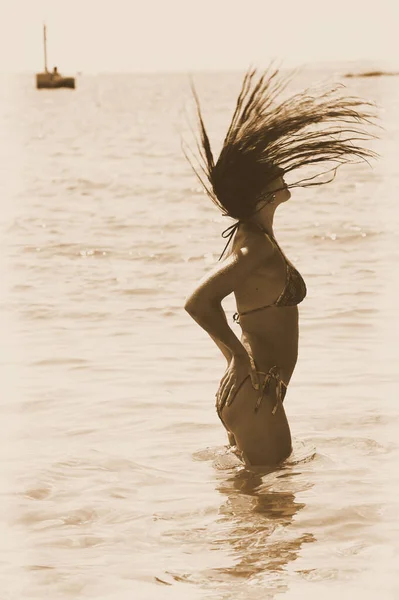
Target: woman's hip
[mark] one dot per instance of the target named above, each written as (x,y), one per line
(258,421)
(255,405)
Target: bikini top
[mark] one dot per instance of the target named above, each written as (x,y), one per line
(294,290)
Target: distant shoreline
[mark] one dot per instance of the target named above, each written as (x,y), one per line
(373,74)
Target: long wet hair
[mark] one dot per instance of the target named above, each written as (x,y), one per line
(268,136)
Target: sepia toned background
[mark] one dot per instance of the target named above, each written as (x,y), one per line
(115,478)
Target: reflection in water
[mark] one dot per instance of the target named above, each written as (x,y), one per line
(253,535)
(259,510)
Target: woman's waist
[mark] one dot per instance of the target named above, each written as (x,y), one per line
(273,349)
(273,353)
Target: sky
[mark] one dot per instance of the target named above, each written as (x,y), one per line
(180,35)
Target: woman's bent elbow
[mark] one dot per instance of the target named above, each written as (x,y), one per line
(190,307)
(197,309)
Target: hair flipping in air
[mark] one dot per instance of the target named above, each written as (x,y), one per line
(268,136)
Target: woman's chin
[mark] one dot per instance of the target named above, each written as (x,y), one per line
(287,195)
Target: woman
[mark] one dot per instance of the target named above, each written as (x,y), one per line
(266,140)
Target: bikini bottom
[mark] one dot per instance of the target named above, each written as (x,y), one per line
(272,377)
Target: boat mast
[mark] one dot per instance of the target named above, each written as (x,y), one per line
(45,48)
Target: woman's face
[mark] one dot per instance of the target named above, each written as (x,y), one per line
(277,188)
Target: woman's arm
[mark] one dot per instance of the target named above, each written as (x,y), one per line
(212,318)
(204,304)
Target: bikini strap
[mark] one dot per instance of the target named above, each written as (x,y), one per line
(281,387)
(228,234)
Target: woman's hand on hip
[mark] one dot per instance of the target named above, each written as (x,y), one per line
(240,367)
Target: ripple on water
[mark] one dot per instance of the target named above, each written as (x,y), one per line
(225,457)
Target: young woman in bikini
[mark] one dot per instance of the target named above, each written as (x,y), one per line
(266,140)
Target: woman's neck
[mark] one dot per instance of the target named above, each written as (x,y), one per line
(265,220)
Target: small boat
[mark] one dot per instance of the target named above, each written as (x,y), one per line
(52,79)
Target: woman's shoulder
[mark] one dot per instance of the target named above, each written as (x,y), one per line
(254,239)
